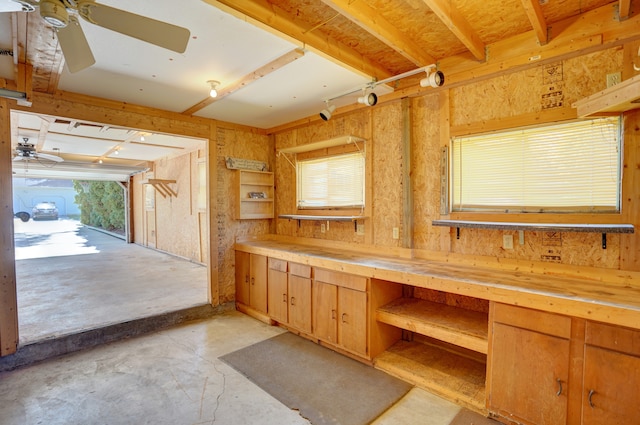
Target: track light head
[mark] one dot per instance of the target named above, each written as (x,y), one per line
(369,99)
(434,79)
(325,114)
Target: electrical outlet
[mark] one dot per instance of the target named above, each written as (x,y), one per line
(613,79)
(322,228)
(396,233)
(360,229)
(507,241)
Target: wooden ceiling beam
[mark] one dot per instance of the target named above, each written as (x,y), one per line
(536,17)
(275,20)
(375,24)
(624,9)
(263,71)
(458,25)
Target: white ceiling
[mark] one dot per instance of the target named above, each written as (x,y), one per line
(222,47)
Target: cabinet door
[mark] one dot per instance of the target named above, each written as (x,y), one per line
(242,277)
(611,387)
(529,375)
(278,296)
(258,291)
(300,303)
(325,311)
(352,320)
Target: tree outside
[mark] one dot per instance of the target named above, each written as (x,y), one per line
(101,204)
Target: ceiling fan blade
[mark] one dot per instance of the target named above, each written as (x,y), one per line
(75,47)
(10,6)
(18,158)
(49,157)
(160,33)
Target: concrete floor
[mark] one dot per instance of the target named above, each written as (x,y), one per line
(170,377)
(71,278)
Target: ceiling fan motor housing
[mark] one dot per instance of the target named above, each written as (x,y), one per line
(54,12)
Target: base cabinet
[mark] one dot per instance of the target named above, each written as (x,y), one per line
(289,294)
(530,372)
(546,368)
(611,382)
(340,312)
(251,280)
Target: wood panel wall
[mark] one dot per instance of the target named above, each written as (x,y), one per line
(539,94)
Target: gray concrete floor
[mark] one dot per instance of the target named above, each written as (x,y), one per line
(172,377)
(71,278)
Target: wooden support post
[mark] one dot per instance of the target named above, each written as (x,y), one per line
(212,216)
(8,295)
(407,188)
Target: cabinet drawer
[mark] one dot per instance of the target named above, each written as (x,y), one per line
(535,320)
(276,264)
(301,270)
(615,338)
(358,283)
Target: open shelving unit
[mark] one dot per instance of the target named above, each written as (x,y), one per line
(449,358)
(254,194)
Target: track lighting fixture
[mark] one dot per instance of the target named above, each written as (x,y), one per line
(214,87)
(368,99)
(433,79)
(325,114)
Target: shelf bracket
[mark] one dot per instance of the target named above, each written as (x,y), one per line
(162,187)
(284,155)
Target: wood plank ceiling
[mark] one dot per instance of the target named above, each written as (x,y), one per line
(380,38)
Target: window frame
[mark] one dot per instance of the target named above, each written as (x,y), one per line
(498,214)
(327,153)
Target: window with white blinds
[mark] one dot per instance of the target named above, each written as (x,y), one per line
(334,181)
(569,167)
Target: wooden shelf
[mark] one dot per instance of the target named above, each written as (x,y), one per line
(443,372)
(613,100)
(336,141)
(457,326)
(322,217)
(544,227)
(261,182)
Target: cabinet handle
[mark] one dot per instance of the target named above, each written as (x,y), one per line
(284,298)
(591,393)
(293,300)
(343,317)
(246,279)
(559,387)
(253,280)
(333,315)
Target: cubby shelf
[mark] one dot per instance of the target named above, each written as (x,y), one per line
(260,183)
(454,325)
(438,370)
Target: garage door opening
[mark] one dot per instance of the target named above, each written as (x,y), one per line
(72,276)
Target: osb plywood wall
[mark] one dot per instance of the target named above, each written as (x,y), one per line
(483,104)
(237,144)
(177,218)
(356,124)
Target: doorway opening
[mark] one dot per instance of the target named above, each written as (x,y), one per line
(73,276)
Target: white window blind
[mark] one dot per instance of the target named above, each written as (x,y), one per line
(334,181)
(569,167)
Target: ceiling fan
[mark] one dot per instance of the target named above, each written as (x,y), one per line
(62,15)
(26,151)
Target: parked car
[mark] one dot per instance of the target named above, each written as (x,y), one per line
(45,211)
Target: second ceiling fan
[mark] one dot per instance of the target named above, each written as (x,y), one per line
(62,15)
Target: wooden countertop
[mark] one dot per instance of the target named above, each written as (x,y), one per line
(608,296)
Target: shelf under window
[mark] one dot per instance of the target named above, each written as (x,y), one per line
(542,227)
